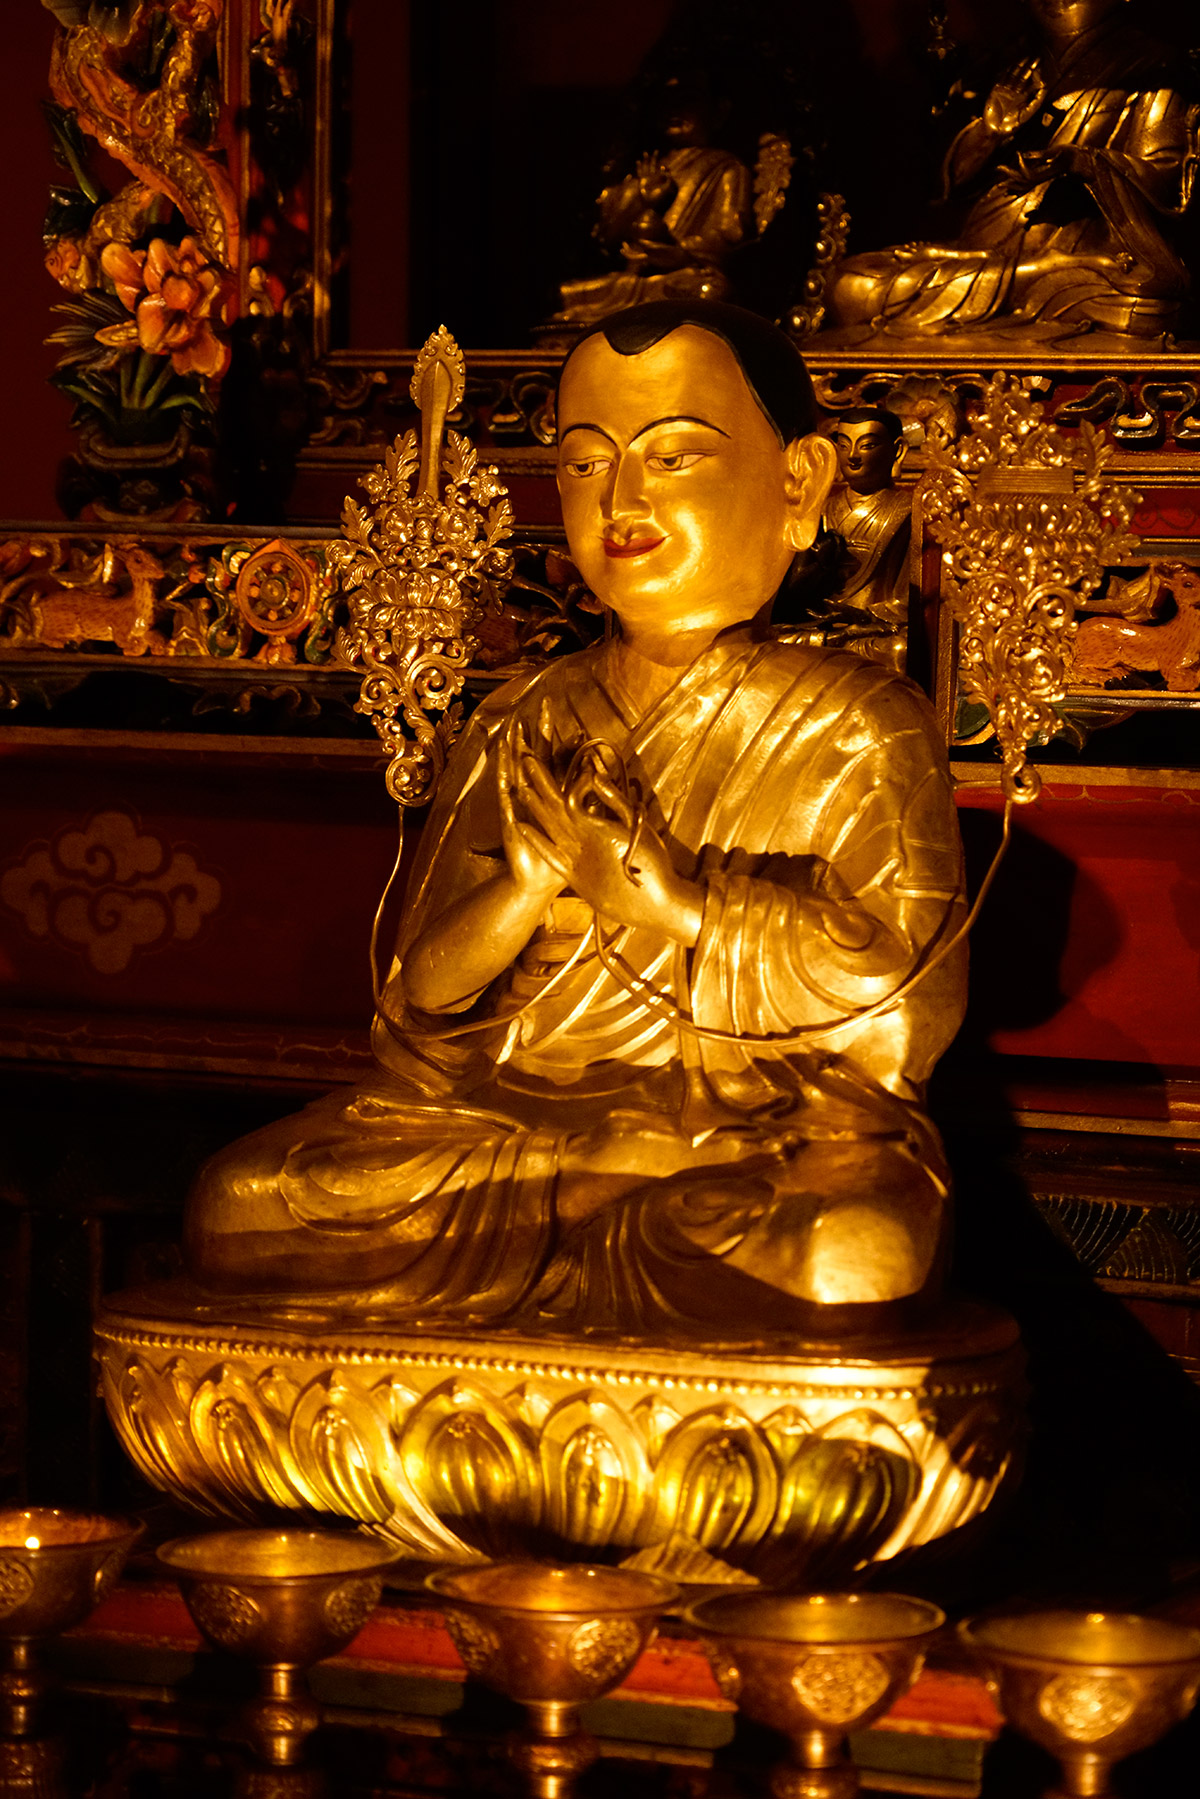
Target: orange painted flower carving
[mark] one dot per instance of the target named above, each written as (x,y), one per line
(70,264)
(176,296)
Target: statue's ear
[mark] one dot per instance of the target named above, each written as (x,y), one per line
(900,451)
(811,471)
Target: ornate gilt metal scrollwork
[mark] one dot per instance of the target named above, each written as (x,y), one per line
(421,565)
(1028,523)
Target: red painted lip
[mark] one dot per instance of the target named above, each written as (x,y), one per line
(641,546)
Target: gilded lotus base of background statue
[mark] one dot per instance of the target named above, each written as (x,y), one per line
(786,1462)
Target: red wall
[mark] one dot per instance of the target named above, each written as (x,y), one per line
(1089,945)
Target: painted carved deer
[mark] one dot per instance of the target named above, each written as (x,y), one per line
(1108,648)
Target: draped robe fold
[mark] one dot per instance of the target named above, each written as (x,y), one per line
(807,792)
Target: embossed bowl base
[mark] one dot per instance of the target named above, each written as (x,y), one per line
(552,1638)
(55,1568)
(788,1781)
(261,1782)
(815,1666)
(795,1464)
(284,1599)
(32,1768)
(552,1765)
(1091,1687)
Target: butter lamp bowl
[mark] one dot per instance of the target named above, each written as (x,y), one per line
(815,1666)
(551,1637)
(284,1599)
(1091,1687)
(55,1568)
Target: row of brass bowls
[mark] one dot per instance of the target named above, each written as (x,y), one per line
(1091,1687)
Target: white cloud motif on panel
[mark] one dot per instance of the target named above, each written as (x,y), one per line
(108,889)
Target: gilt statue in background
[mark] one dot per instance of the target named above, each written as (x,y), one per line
(680,949)
(1078,172)
(677,218)
(868,518)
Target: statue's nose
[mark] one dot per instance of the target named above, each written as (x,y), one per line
(626,498)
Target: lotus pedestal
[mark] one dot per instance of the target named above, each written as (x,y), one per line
(786,1462)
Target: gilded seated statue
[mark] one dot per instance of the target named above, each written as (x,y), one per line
(679,950)
(1078,170)
(870,513)
(868,519)
(673,220)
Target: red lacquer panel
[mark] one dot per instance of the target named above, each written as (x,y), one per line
(1089,945)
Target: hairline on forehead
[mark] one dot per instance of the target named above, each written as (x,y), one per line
(564,430)
(768,362)
(871,415)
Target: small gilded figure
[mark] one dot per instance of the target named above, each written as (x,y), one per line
(682,943)
(1078,172)
(871,515)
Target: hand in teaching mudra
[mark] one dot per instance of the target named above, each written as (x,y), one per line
(589,835)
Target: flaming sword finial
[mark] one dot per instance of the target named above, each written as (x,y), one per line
(437,386)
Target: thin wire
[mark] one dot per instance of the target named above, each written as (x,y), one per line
(376,984)
(666,1008)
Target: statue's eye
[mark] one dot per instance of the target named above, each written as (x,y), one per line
(591,465)
(671,461)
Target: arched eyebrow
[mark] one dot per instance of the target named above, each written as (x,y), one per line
(586,425)
(679,418)
(671,418)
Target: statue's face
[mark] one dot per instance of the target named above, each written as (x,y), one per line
(682,509)
(1064,18)
(687,114)
(866,454)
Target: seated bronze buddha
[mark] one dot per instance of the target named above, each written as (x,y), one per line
(679,950)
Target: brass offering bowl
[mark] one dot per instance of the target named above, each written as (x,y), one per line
(552,1637)
(55,1568)
(285,1599)
(815,1666)
(1091,1687)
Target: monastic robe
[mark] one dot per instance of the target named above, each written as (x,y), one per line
(807,792)
(875,531)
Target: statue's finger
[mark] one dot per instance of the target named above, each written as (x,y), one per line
(505,775)
(612,797)
(542,846)
(541,795)
(537,777)
(553,820)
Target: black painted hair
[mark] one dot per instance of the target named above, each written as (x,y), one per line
(773,367)
(872,415)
